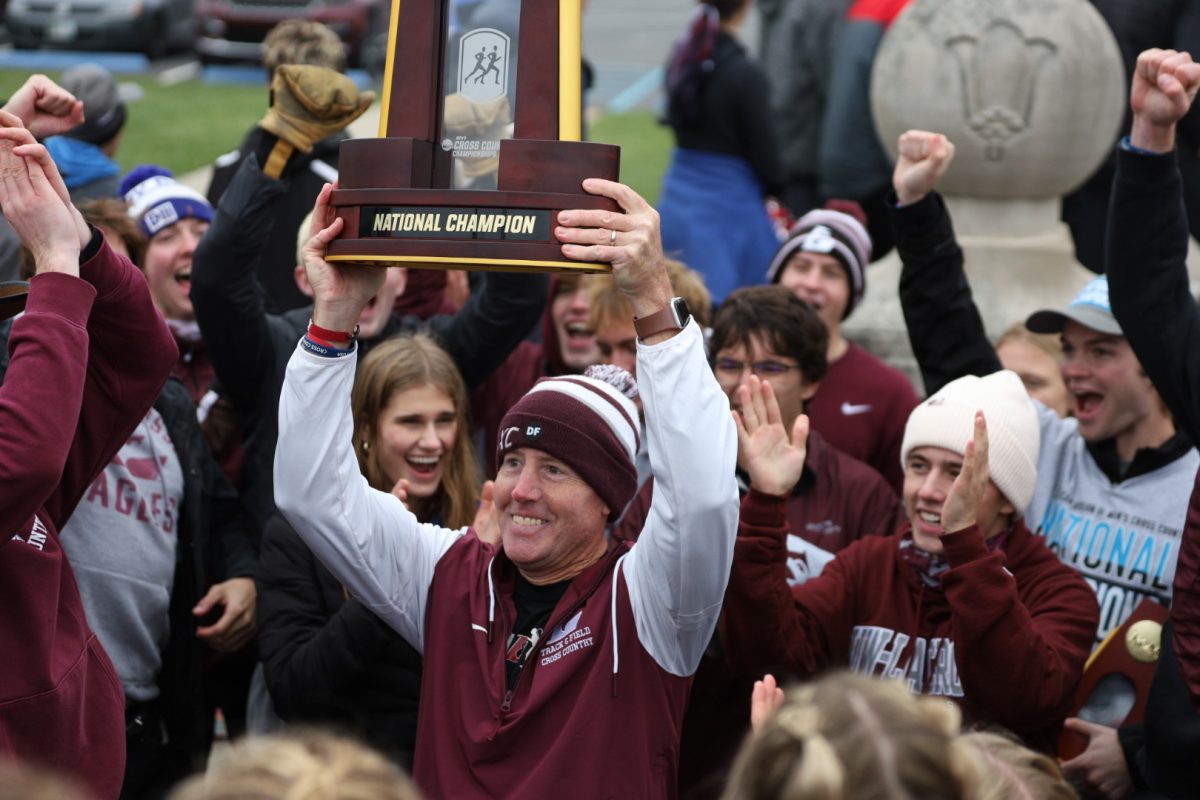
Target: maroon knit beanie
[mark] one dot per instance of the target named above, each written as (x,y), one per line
(833,233)
(589,422)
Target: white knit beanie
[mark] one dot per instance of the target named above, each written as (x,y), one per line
(947,420)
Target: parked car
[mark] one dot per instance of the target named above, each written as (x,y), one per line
(234,29)
(148,26)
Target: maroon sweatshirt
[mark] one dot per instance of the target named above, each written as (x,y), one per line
(861,409)
(592,715)
(87,360)
(838,500)
(1005,635)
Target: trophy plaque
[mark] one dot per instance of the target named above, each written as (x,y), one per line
(1116,679)
(478,146)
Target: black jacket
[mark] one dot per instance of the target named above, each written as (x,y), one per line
(216,542)
(307,173)
(250,347)
(947,333)
(1148,287)
(326,657)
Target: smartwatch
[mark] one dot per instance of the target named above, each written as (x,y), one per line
(673,317)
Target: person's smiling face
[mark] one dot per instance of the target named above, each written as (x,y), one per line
(551,521)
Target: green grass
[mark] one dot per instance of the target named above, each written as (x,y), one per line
(645,148)
(186,125)
(181,127)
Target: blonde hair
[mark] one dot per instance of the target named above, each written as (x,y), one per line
(1004,769)
(20,781)
(606,304)
(1048,343)
(849,736)
(299,765)
(302,41)
(406,362)
(302,236)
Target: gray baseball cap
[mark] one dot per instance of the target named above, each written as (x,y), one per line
(103,102)
(1090,308)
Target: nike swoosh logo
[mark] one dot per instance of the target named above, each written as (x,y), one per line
(852,409)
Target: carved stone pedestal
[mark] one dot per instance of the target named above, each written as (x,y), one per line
(1032,95)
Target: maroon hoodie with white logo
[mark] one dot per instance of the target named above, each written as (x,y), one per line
(89,356)
(1002,632)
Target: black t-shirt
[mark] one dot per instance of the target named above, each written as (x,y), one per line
(534,605)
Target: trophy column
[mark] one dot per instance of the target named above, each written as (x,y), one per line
(478,145)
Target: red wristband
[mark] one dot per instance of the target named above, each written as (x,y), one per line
(316,331)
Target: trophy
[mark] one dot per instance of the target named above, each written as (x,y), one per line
(1116,680)
(478,146)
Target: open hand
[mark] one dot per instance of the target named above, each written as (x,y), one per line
(400,491)
(773,460)
(36,203)
(236,626)
(961,510)
(487,524)
(922,160)
(765,700)
(1163,87)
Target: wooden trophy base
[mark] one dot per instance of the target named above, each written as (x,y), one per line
(394,218)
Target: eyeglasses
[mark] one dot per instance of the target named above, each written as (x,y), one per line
(763,369)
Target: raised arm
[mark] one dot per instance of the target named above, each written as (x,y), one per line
(227,296)
(492,323)
(1148,236)
(366,538)
(1052,623)
(944,326)
(764,627)
(90,354)
(1150,296)
(677,571)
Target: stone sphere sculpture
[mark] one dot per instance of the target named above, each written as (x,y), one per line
(1032,92)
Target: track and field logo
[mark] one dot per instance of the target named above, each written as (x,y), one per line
(483,65)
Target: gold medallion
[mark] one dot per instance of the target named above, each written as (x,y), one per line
(1143,640)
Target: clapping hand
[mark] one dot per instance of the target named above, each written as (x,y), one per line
(773,459)
(961,510)
(35,201)
(765,700)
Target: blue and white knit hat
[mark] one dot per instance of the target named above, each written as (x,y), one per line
(157,201)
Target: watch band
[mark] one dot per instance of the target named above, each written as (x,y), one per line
(667,318)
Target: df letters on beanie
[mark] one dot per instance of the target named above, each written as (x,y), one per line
(947,420)
(589,422)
